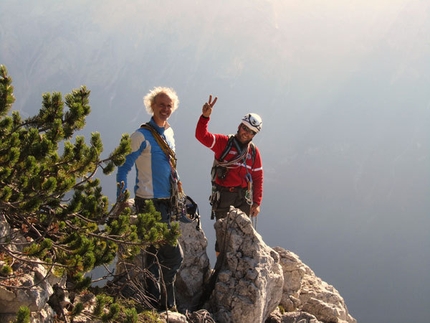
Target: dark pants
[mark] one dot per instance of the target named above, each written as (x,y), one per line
(169,259)
(227,198)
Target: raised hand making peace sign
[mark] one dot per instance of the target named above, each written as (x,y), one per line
(207,107)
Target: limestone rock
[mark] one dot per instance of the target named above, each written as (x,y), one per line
(195,269)
(173,317)
(253,279)
(250,280)
(4,229)
(33,282)
(291,317)
(304,291)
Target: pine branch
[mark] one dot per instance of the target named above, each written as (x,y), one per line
(35,177)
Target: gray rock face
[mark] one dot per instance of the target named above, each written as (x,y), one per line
(253,279)
(250,279)
(305,292)
(195,269)
(33,281)
(34,291)
(254,283)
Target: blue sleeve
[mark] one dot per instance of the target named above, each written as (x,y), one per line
(130,160)
(123,171)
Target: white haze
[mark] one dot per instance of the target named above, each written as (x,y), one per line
(343,90)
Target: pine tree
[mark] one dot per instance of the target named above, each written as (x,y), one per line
(49,192)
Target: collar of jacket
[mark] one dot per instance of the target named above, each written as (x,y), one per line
(159,129)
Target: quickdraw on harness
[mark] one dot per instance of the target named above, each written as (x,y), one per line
(220,169)
(183,207)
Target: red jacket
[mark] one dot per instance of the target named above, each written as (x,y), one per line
(236,176)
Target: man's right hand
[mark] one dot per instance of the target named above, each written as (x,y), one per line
(207,107)
(120,191)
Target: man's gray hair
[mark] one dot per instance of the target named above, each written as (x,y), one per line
(149,99)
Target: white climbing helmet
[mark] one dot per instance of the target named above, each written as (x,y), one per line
(253,121)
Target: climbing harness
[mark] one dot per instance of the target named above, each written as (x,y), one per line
(248,193)
(220,169)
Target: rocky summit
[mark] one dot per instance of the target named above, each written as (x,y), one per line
(250,282)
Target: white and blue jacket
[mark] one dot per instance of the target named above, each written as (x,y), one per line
(153,170)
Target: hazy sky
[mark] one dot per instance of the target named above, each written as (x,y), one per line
(343,90)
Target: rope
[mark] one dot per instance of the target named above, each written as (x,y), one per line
(254,222)
(178,196)
(162,143)
(232,163)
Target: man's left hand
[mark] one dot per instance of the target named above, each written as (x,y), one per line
(255,209)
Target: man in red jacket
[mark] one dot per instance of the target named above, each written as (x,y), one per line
(237,175)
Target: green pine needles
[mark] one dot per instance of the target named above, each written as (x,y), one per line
(50,195)
(23,315)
